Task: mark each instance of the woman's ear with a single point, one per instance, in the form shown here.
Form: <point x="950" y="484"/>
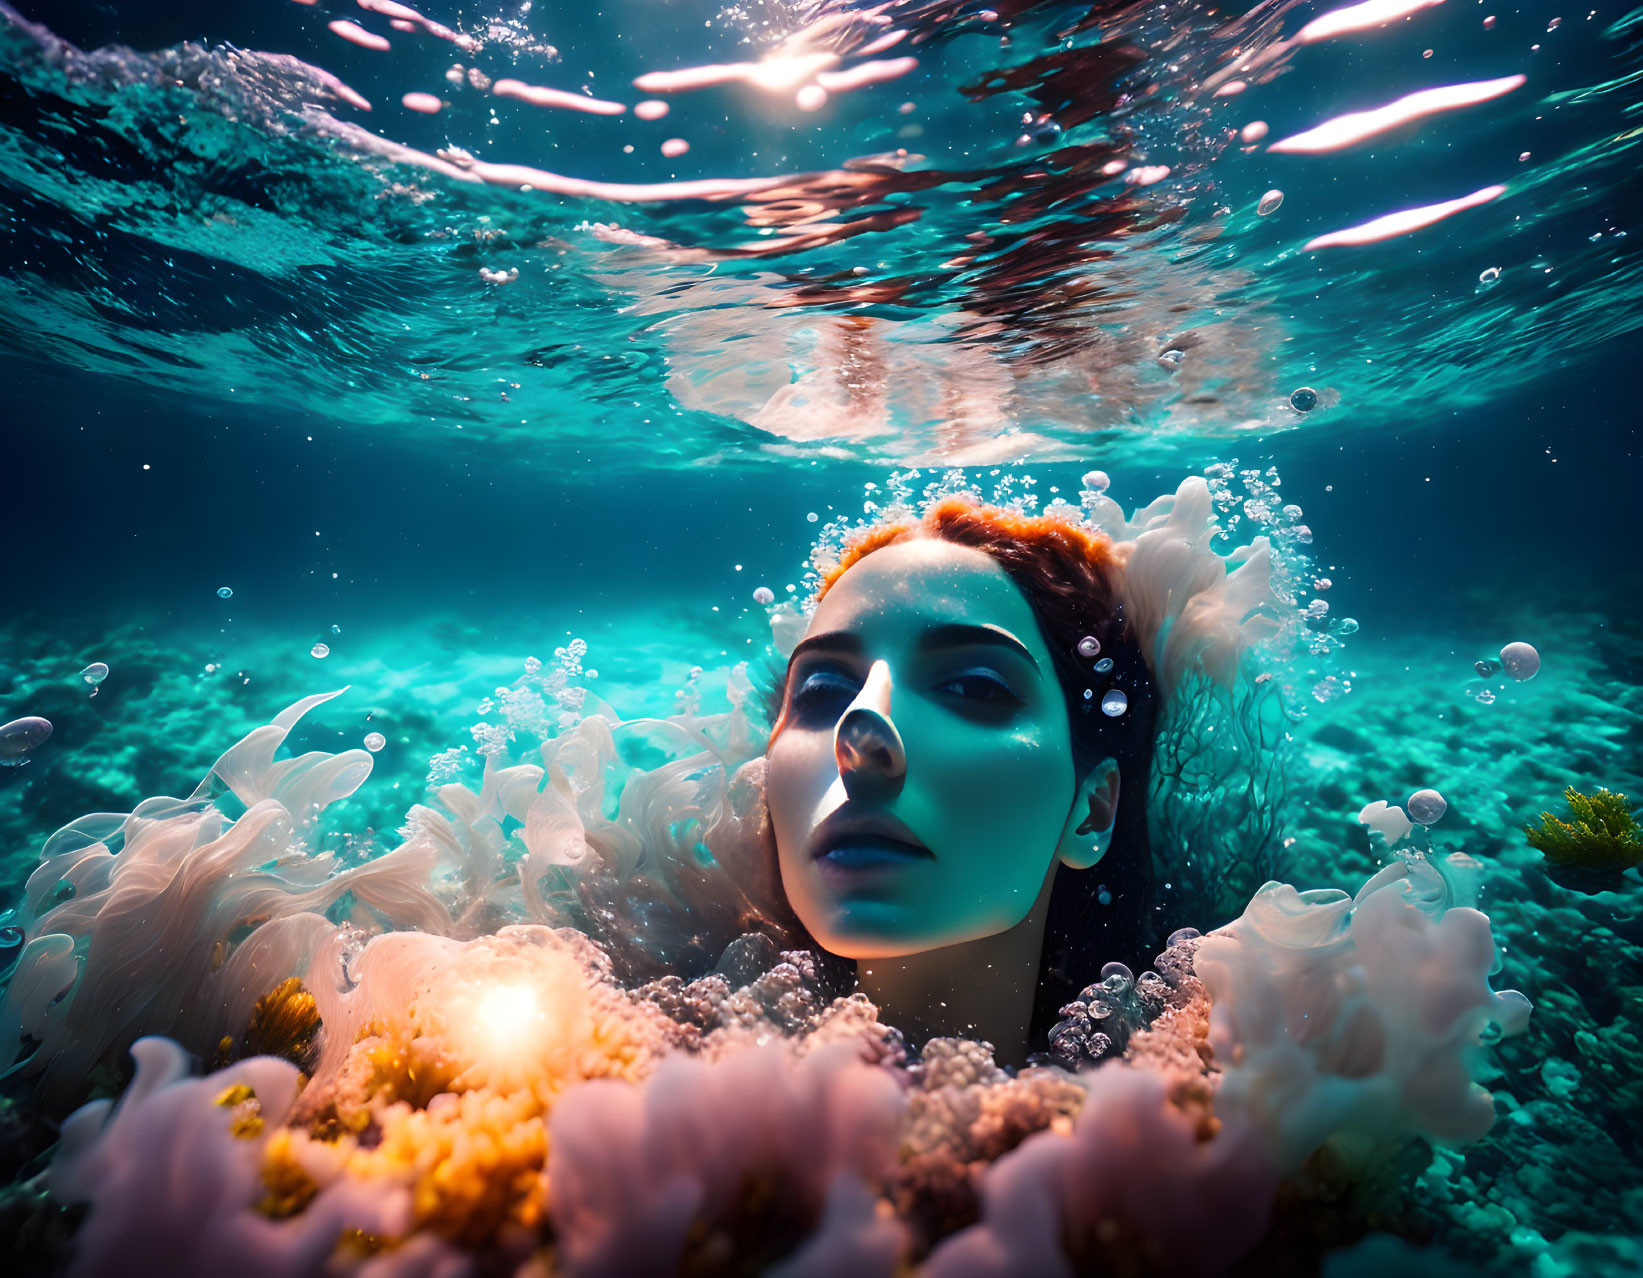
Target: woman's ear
<point x="1089" y="824"/>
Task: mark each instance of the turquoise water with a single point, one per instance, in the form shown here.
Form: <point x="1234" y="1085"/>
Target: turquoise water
<point x="423" y="428"/>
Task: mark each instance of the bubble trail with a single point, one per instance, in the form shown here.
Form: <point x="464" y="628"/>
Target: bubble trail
<point x="523" y="175"/>
<point x="785" y="71"/>
<point x="400" y="13"/>
<point x="864" y="74"/>
<point x="540" y="95"/>
<point x="1403" y="222"/>
<point x="356" y="34"/>
<point x="1359" y="17"/>
<point x="1359" y="126"/>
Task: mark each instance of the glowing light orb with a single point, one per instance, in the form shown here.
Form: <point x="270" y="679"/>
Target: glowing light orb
<point x="508" y="1016"/>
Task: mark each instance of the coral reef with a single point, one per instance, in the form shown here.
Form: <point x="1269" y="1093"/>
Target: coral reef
<point x="1550" y="1189"/>
<point x="518" y="1093"/>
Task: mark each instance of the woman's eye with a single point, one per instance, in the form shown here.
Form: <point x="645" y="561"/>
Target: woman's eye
<point x="823" y="692"/>
<point x="978" y="686"/>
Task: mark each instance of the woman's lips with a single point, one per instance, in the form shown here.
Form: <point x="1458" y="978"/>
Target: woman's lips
<point x="854" y="857"/>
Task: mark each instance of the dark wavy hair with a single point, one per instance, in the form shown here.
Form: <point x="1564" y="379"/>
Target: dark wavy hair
<point x="1070" y="578"/>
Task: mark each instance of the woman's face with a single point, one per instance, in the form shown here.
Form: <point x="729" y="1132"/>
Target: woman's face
<point x="923" y="775"/>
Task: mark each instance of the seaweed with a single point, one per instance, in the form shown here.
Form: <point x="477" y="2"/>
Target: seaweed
<point x="1216" y="802"/>
<point x="1590" y="853"/>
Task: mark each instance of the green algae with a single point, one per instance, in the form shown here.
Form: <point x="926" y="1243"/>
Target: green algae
<point x="1603" y="835"/>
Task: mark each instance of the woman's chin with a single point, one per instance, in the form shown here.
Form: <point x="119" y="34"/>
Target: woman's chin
<point x="860" y="928"/>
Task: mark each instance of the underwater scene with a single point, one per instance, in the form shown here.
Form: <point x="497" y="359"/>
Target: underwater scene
<point x="888" y="638"/>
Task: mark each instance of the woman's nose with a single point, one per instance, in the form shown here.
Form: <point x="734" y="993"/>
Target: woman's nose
<point x="872" y="760"/>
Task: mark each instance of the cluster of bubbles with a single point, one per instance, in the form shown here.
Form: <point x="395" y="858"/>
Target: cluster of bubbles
<point x="1518" y="661"/>
<point x="1099" y="1023"/>
<point x="688" y="699"/>
<point x="1248" y="503"/>
<point x="908" y="492"/>
<point x="543" y="702"/>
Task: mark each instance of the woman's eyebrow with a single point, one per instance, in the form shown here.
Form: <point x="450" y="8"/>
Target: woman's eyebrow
<point x="832" y="641"/>
<point x="955" y="635"/>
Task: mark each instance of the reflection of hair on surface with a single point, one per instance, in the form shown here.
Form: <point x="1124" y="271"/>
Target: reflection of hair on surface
<point x="1013" y="368"/>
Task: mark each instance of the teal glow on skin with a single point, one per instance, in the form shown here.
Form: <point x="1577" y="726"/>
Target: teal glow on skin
<point x="989" y="784"/>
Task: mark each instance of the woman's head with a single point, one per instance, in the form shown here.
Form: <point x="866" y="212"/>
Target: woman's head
<point x="942" y="753"/>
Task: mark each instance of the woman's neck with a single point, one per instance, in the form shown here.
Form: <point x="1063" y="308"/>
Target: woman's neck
<point x="981" y="989"/>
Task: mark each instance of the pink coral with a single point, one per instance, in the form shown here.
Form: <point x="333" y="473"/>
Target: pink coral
<point x="753" y="1156"/>
<point x="1131" y="1186"/>
<point x="1340" y="1018"/>
<point x="174" y="1171"/>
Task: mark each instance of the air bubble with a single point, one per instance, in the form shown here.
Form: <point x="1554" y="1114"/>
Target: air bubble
<point x="374" y="741"/>
<point x="1182" y="934"/>
<point x="1303" y="400"/>
<point x="1487" y="669"/>
<point x="1426" y="807"/>
<point x="19" y="737"/>
<point x="1348" y="626"/>
<point x="1489" y="276"/>
<point x="764" y="595"/>
<point x="225" y="592"/>
<point x="1104" y="665"/>
<point x="1103" y="895"/>
<point x="319" y="650"/>
<point x="1114" y="703"/>
<point x="95" y="673"/>
<point x="1520" y="660"/>
<point x="812" y="517"/>
<point x="1269" y="203"/>
<point x="1089" y="646"/>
